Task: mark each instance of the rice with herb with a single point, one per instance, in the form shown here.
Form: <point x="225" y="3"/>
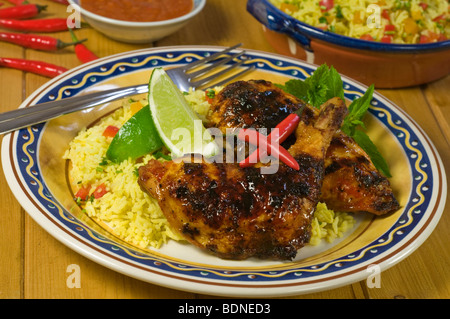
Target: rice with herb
<point x="130" y="212"/>
<point x="389" y="21"/>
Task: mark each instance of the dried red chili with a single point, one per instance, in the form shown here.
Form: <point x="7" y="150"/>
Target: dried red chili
<point x="35" y="25"/>
<point x="25" y="11"/>
<point x="37" y="67"/>
<point x="82" y="52"/>
<point x="36" y="42"/>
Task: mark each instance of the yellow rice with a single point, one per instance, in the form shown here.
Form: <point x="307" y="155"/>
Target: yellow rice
<point x="329" y="225"/>
<point x="356" y="18"/>
<point x="131" y="213"/>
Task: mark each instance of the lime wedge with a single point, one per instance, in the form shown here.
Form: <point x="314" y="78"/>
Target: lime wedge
<point x="180" y="129"/>
<point x="137" y="137"/>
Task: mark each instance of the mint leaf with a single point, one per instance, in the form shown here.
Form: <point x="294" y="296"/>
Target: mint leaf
<point x="364" y="141"/>
<point x="359" y="106"/>
<point x="335" y="85"/>
<point x="356" y="112"/>
<point x="297" y="88"/>
<point x="324" y="84"/>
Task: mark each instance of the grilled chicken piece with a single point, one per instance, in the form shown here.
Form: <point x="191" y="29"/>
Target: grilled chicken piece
<point x="255" y="104"/>
<point x="351" y="181"/>
<point x="237" y="213"/>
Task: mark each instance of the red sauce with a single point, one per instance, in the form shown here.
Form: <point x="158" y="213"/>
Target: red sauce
<point x="139" y="10"/>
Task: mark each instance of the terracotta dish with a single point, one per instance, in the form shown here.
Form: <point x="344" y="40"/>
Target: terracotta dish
<point x="384" y="64"/>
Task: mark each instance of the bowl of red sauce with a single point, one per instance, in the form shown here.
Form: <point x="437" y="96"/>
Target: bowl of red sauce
<point x="138" y="21"/>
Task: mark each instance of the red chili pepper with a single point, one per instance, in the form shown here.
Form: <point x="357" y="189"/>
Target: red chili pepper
<point x="37" y="67"/>
<point x="22" y="11"/>
<point x="385" y="14"/>
<point x="285" y="128"/>
<point x="36" y="42"/>
<point x="35" y="25"/>
<point x="82" y="52"/>
<point x="110" y="131"/>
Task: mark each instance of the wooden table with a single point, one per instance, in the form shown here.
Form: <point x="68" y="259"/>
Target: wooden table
<point x="34" y="265"/>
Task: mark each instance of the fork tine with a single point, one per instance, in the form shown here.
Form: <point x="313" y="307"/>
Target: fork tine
<point x="214" y="65"/>
<point x="210" y="58"/>
<point x="215" y="75"/>
<point x="208" y="79"/>
<point x="234" y="76"/>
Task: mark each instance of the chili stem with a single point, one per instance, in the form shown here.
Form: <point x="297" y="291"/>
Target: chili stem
<point x="36" y="42"/>
<point x="82" y="52"/>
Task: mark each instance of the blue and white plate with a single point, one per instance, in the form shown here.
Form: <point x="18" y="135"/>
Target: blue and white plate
<point x="37" y="175"/>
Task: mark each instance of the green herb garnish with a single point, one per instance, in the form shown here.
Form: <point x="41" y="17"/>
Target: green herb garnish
<point x="339" y="14"/>
<point x="160" y="154"/>
<point x="326" y="83"/>
<point x="210" y="93"/>
<point x="353" y="121"/>
<point x="323" y="20"/>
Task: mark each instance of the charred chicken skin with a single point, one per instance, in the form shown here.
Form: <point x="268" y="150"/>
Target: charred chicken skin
<point x="238" y="213"/>
<point x="351" y="181"/>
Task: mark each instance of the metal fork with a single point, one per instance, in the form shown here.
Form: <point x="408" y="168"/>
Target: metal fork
<point x="193" y="75"/>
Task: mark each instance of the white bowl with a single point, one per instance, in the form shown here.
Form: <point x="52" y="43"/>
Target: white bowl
<point x="136" y="32"/>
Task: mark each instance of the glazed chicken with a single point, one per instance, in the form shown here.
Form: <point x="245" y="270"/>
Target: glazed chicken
<point x="238" y="213"/>
<point x="351" y="181"/>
